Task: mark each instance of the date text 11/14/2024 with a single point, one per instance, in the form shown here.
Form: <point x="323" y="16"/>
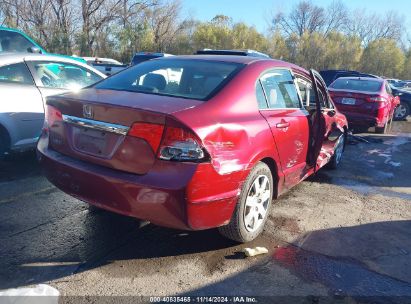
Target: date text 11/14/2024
<point x="203" y="299"/>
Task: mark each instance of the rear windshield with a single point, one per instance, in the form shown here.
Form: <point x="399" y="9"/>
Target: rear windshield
<point x="356" y="85"/>
<point x="193" y="79"/>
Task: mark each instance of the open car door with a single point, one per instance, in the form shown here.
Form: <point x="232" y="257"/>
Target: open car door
<point x="325" y="129"/>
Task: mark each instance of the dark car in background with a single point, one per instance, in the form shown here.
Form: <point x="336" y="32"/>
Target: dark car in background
<point x="366" y="102"/>
<point x="144" y="56"/>
<point x="330" y="75"/>
<point x="404" y="108"/>
<point x="107" y="66"/>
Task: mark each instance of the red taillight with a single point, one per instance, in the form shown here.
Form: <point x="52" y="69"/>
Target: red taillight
<point x="175" y="144"/>
<point x="180" y="145"/>
<point x="376" y="99"/>
<point x="52" y="115"/>
<point x="381" y="101"/>
<point x="150" y="132"/>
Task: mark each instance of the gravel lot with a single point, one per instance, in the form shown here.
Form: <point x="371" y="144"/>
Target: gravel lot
<point x="344" y="234"/>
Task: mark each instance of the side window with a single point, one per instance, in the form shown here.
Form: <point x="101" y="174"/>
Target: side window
<point x="15" y="73"/>
<point x="64" y="76"/>
<point x="280" y="89"/>
<point x="323" y="96"/>
<point x="306" y="91"/>
<point x="13" y="42"/>
<point x="262" y="102"/>
<point x="388" y="88"/>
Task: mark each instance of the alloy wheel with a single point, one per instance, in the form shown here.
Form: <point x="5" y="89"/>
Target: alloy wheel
<point x="257" y="202"/>
<point x="400" y="111"/>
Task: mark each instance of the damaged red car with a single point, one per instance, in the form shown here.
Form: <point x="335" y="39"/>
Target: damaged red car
<point x="193" y="142"/>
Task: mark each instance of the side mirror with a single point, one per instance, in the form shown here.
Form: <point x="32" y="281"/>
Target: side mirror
<point x="34" y="50"/>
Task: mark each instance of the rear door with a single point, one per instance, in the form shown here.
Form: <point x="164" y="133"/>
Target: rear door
<point x="288" y="122"/>
<point x="325" y="128"/>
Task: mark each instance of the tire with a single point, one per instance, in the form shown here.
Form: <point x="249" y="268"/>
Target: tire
<point x="338" y="153"/>
<point x="402" y="111"/>
<point x="382" y="130"/>
<point x="4" y="143"/>
<point x="253" y="206"/>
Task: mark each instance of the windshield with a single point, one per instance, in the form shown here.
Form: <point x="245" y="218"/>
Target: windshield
<point x="64" y="75"/>
<point x="14" y="42"/>
<point x="356" y="85"/>
<point x="194" y="79"/>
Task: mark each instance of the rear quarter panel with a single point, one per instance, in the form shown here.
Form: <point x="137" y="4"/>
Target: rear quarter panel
<point x="234" y="133"/>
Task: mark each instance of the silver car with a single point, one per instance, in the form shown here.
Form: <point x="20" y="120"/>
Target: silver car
<point x="25" y="82"/>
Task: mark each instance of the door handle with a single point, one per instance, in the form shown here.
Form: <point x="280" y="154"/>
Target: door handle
<point x="283" y="124"/>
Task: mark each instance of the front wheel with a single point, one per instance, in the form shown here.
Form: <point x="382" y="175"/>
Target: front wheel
<point x="252" y="209"/>
<point x="338" y="153"/>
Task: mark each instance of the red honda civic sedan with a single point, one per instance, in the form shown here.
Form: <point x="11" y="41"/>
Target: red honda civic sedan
<point x="193" y="142"/>
<point x="367" y="102"/>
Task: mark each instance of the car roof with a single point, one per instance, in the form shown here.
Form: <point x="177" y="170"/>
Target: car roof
<point x="225" y="58"/>
<point x="237" y="52"/>
<point x="153" y="54"/>
<point x="239" y="59"/>
<point x="101" y="58"/>
<point x="9" y="58"/>
<point x="9" y="29"/>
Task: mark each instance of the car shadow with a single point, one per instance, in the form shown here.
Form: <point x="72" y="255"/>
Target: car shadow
<point x="89" y="239"/>
<point x="19" y="165"/>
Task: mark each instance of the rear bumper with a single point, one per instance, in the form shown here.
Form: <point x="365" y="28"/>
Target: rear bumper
<point x="177" y="195"/>
<point x="358" y="119"/>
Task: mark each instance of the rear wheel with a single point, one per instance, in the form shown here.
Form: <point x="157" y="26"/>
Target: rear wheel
<point x="402" y="111"/>
<point x="382" y="130"/>
<point x="253" y="206"/>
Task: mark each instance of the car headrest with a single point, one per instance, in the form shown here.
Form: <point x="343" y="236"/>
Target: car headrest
<point x="155" y="80"/>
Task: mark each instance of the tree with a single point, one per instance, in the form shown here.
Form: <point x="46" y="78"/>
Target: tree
<point x="370" y="26"/>
<point x="164" y="22"/>
<point x="95" y="15"/>
<point x="406" y="72"/>
<point x="246" y="37"/>
<point x="277" y="46"/>
<point x="306" y="17"/>
<point x="214" y="35"/>
<point x="383" y="57"/>
<point x="342" y="51"/>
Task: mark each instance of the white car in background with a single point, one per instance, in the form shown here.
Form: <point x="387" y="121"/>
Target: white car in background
<point x="25" y="82"/>
<point x="107" y="66"/>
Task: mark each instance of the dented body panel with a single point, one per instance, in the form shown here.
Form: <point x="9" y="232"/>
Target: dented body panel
<point x="233" y="131"/>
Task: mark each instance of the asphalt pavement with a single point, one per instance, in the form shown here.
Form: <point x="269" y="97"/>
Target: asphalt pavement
<point x="341" y="234"/>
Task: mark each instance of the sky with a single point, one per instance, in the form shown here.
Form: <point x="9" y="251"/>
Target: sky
<point x="259" y="12"/>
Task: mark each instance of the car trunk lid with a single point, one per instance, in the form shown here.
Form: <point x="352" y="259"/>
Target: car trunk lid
<point x="354" y="101"/>
<point x="95" y="126"/>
